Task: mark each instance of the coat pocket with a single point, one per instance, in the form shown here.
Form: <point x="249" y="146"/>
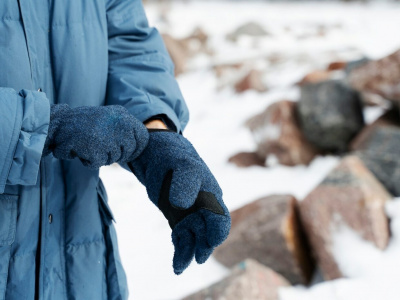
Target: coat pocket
<point x="117" y="287"/>
<point x="8" y="224"/>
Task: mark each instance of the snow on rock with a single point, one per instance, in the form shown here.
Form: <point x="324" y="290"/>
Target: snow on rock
<point x="372" y="274"/>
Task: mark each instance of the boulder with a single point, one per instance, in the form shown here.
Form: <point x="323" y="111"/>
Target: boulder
<point x="354" y="64"/>
<point x="249" y="29"/>
<point x="181" y="50"/>
<point x="249" y="280"/>
<point x="268" y="230"/>
<point x="330" y="114"/>
<point x="247" y="159"/>
<point x="337" y="65"/>
<point x="178" y="51"/>
<point x="316" y="76"/>
<point x="378" y="145"/>
<point x="252" y="81"/>
<point x="381" y="77"/>
<point x="350" y="194"/>
<point x="276" y="132"/>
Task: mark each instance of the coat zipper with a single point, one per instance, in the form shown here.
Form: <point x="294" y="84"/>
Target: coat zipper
<point x="39" y="243"/>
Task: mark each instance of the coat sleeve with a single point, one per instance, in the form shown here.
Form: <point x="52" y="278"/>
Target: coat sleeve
<point x="24" y="120"/>
<point x="141" y="73"/>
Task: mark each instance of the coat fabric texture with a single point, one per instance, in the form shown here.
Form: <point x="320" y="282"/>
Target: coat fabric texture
<point x="57" y="239"/>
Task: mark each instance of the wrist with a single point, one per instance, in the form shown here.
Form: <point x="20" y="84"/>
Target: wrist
<point x="155" y="124"/>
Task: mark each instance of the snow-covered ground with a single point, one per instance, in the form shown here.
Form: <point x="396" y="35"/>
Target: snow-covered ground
<point x="216" y="130"/>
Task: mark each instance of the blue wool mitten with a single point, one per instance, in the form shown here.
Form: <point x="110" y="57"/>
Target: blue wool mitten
<point x="180" y="184"/>
<point x="97" y="135"/>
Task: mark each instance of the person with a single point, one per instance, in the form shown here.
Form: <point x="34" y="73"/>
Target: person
<point x="85" y="84"/>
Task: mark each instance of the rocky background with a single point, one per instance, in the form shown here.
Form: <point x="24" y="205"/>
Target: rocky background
<point x="296" y="108"/>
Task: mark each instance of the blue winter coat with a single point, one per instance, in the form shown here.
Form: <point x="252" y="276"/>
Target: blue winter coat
<point x="57" y="240"/>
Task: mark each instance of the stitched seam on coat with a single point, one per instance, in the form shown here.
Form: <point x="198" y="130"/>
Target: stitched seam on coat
<point x="67" y="24"/>
<point x="14" y="137"/>
<point x="76" y="245"/>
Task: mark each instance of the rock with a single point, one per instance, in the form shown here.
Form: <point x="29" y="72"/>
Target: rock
<point x="381" y="77"/>
<point x="268" y="230"/>
<point x="250" y="29"/>
<point x="378" y="145"/>
<point x="252" y="81"/>
<point x="247" y="159"/>
<point x="330" y="114"/>
<point x="370" y="99"/>
<point x="354" y="64"/>
<point x="350" y="194"/>
<point x="181" y="50"/>
<point x="249" y="280"/>
<point x="196" y="42"/>
<point x="276" y="132"/>
<point x="316" y="76"/>
<point x="178" y="51"/>
<point x="336" y="65"/>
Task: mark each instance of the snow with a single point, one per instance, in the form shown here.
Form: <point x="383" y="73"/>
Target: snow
<point x="302" y="37"/>
<point x="370" y="273"/>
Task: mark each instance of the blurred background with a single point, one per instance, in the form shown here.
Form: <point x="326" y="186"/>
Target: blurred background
<point x="295" y="108"/>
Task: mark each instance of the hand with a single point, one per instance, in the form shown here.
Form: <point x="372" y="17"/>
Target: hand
<point x="97" y="135"/>
<point x="180" y="184"/>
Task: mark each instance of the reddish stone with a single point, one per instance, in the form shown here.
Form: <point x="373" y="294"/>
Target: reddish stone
<point x="381" y="77"/>
<point x="337" y="65"/>
<point x="316" y="76"/>
<point x="352" y="195"/>
<point x="268" y="230"/>
<point x="178" y="51"/>
<point x="276" y="132"/>
<point x="247" y="159"/>
<point x="249" y="280"/>
<point x="252" y="81"/>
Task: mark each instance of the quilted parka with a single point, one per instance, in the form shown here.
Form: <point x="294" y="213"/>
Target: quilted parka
<point x="57" y="239"/>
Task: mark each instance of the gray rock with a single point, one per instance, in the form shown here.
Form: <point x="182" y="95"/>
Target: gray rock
<point x="330" y="114"/>
<point x="250" y="29"/>
<point x="378" y="145"/>
<point x="351" y="65"/>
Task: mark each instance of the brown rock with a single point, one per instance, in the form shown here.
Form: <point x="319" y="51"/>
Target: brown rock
<point x="371" y="99"/>
<point x="252" y="81"/>
<point x="178" y="51"/>
<point x="349" y="194"/>
<point x="337" y="65"/>
<point x="381" y="77"/>
<point x="268" y="230"/>
<point x="247" y="159"/>
<point x="316" y="76"/>
<point x="276" y="132"/>
<point x="181" y="50"/>
<point x="249" y="280"/>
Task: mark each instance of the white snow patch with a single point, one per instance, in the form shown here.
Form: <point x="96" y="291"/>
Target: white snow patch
<point x="303" y="37"/>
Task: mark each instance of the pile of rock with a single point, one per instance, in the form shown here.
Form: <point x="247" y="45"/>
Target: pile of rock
<point x="290" y="238"/>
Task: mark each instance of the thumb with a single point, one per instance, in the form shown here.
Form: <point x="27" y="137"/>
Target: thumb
<point x="185" y="186"/>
